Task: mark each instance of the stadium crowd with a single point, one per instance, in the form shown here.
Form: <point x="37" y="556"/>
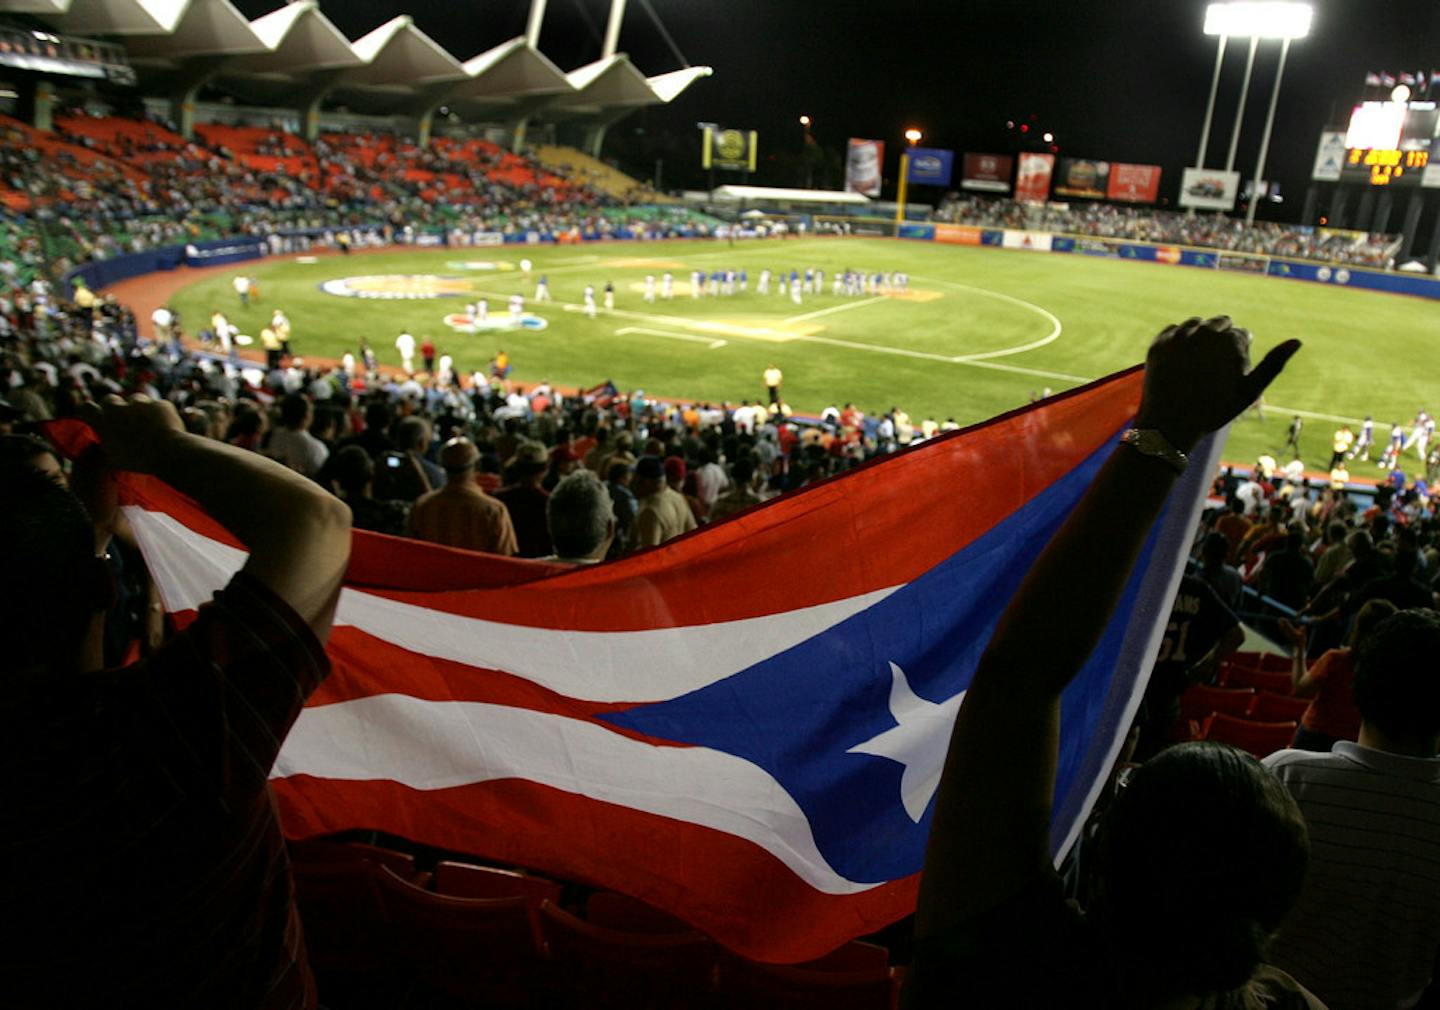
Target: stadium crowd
<point x="1144" y="224"/>
<point x="484" y="463"/>
<point x="100" y="190"/>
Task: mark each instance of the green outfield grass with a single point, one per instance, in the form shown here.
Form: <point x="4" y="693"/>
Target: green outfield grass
<point x="977" y="339"/>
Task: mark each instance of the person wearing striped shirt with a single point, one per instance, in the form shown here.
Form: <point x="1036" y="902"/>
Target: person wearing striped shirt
<point x="1366" y="930"/>
<point x="144" y="861"/>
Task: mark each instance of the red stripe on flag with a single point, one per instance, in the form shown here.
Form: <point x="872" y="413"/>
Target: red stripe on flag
<point x="726" y="886"/>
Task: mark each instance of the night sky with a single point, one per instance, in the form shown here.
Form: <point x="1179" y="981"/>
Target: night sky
<point x="1122" y="80"/>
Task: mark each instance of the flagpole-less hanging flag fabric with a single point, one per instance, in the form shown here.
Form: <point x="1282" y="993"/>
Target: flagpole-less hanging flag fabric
<point x="744" y="727"/>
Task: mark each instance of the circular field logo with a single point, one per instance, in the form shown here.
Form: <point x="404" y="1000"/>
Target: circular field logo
<point x="500" y="322"/>
<point x="395" y="287"/>
<point x="479" y="265"/>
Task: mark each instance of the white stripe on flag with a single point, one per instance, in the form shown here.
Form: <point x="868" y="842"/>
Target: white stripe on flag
<point x="600" y="666"/>
<point x="444" y="744"/>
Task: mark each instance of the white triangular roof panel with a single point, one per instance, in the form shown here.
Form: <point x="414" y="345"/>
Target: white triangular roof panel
<point x="510" y="70"/>
<point x="397" y="54"/>
<point x="118" y="17"/>
<point x="207" y="27"/>
<point x="302" y="40"/>
<point x="667" y="87"/>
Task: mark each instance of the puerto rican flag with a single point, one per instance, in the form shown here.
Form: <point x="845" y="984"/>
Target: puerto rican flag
<point x="744" y="727"/>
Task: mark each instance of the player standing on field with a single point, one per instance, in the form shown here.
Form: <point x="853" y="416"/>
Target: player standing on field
<point x="542" y="289"/>
<point x="609" y="296"/>
<point x="667" y="286"/>
<point x="590" y="300"/>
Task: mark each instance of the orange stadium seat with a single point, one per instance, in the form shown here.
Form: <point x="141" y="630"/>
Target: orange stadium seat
<point x="1200" y="700"/>
<point x="1260" y="680"/>
<point x="1270" y="707"/>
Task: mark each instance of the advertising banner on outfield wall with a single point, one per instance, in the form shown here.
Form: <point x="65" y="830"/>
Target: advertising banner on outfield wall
<point x="931" y="166"/>
<point x="1209" y="189"/>
<point x="1032" y="181"/>
<point x="863" y="162"/>
<point x="1329" y="157"/>
<point x="1083" y="178"/>
<point x="987" y="173"/>
<point x="1036" y="240"/>
<point x="958" y="234"/>
<point x="1134" y="183"/>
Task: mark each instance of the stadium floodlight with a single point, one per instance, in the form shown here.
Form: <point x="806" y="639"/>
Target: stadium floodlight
<point x="914" y="136"/>
<point x="804" y="120"/>
<point x="1262" y="20"/>
<point x="1049" y="138"/>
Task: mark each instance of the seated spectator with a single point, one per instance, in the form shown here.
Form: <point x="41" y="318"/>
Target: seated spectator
<point x="459" y="514"/>
<point x="663" y="512"/>
<point x="1335" y="557"/>
<point x="1366" y="930"/>
<point x="1198" y="858"/>
<point x="525" y="500"/>
<point x="292" y="444"/>
<point x="1287" y="574"/>
<point x="167" y="832"/>
<point x="1401" y="587"/>
<point x="1332" y="715"/>
<point x="581" y="520"/>
<point x="354" y="472"/>
<point x="247" y="428"/>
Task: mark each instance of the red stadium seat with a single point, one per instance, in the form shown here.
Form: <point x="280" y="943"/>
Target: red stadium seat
<point x="1259" y="680"/>
<point x="1270" y="707"/>
<point x="1200" y="700"/>
<point x="1259" y="738"/>
<point x="609" y="968"/>
<point x="855" y="977"/>
<point x="485" y="950"/>
<point x="622" y="912"/>
<point x="344" y="919"/>
<point x="322" y="850"/>
<point x="464" y="880"/>
<point x="1273" y="662"/>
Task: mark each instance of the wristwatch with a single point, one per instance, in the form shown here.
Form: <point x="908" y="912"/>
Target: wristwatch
<point x="1149" y="442"/>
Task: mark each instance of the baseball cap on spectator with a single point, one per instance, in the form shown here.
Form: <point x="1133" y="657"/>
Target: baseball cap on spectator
<point x="529" y="457"/>
<point x="674" y="468"/>
<point x="649" y="468"/>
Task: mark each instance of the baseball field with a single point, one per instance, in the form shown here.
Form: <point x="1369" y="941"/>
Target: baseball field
<point x="978" y="332"/>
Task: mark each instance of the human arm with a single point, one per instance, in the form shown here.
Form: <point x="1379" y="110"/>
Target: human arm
<point x="298" y="536"/>
<point x="990" y="830"/>
<point x="1208" y="665"/>
<point x="1298" y="637"/>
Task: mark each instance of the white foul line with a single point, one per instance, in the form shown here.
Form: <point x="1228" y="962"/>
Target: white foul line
<point x="834" y="308"/>
<point x="712" y="344"/>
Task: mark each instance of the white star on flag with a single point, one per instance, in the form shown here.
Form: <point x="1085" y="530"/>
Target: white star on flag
<point x="918" y="741"/>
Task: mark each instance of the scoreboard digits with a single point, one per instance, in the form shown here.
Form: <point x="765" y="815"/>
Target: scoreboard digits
<point x="1385" y="167"/>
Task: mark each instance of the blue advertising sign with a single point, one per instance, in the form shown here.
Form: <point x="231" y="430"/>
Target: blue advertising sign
<point x="931" y="166"/>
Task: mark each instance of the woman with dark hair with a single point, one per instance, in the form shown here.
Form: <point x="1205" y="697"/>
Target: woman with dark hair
<point x="1200" y="855"/>
<point x="1332" y="715"/>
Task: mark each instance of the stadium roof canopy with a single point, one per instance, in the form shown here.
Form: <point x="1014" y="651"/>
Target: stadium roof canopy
<point x="768" y="194"/>
<point x="295" y="54"/>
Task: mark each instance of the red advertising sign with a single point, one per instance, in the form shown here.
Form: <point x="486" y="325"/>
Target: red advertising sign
<point x="989" y="173"/>
<point x="1032" y="181"/>
<point x="1134" y="183"/>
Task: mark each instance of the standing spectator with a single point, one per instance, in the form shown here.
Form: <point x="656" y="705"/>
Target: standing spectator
<point x="162" y="766"/>
<point x="663" y="513"/>
<point x="1366" y="930"/>
<point x="525" y="499"/>
<point x="291" y="443"/>
<point x="623" y="503"/>
<point x="710" y="479"/>
<point x="459" y="514"/>
<point x="1332" y="715"/>
<point x="355" y="474"/>
<point x="1233" y="525"/>
<point x="1335" y="557"/>
<point x="580" y="519"/>
<point x="741" y="495"/>
<point x="1221" y="577"/>
<point x="1288" y="575"/>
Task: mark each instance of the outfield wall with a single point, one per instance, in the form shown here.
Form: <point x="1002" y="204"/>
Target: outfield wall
<point x="1419" y="285"/>
<point x="103" y="273"/>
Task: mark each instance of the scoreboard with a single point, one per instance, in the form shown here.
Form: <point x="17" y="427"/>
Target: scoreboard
<point x="1391" y="144"/>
